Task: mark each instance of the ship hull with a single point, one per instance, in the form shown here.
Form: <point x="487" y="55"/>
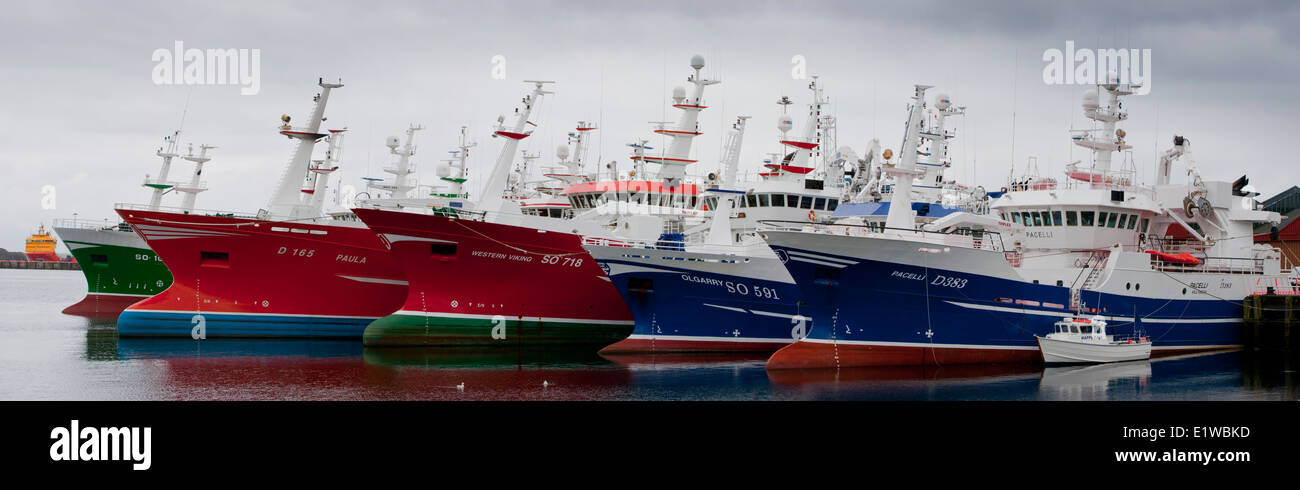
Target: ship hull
<point x="886" y="302"/>
<point x="119" y="267"/>
<point x="685" y="301"/>
<point x="474" y="283"/>
<point x="244" y="277"/>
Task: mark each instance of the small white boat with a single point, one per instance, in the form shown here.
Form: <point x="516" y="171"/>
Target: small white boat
<point x="1085" y="340"/>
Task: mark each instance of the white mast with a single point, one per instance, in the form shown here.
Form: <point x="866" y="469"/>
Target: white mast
<point x="323" y="170"/>
<point x="731" y="152"/>
<point x="938" y="138"/>
<point x="804" y="146"/>
<point x="1107" y="140"/>
<point x="454" y="172"/>
<point x="160" y="185"/>
<point x="674" y="161"/>
<point x="900" y="204"/>
<point x="492" y="200"/>
<point x="287" y="199"/>
<point x="579" y="138"/>
<point x="401" y="186"/>
<point x="195" y="186"/>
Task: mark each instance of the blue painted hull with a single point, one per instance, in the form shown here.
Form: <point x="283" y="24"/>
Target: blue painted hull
<point x="868" y="313"/>
<point x="694" y="311"/>
<point x="147" y="323"/>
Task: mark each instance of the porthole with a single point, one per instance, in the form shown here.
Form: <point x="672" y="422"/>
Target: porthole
<point x="1184" y="290"/>
<point x="1128" y="285"/>
<point x="1137" y="287"/>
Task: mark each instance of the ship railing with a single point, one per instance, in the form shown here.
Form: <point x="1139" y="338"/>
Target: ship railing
<point x="960" y="237"/>
<point x="1277" y="284"/>
<point x="197" y="212"/>
<point x="1176" y="245"/>
<point x="85" y="224"/>
<point x="1216" y="265"/>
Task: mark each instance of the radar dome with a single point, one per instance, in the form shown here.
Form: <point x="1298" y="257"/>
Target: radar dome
<point x="1090" y="99"/>
<point x="697" y="62"/>
<point x="444" y="171"/>
<point x="942" y="102"/>
<point x="562" y="152"/>
<point x="679" y="93"/>
<point x="784" y="123"/>
<point x="393" y="142"/>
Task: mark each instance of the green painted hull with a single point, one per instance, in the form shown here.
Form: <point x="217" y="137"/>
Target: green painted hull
<point x="119" y="267"/>
<point x="401" y="329"/>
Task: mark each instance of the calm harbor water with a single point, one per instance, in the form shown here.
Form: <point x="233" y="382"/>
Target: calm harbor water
<point x="46" y="355"/>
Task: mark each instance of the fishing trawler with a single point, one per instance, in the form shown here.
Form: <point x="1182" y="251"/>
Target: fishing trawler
<point x="119" y="267"/>
<point x="970" y="289"/>
<point x="722" y="289"/>
<point x="728" y="291"/>
<point x="523" y="276"/>
<point x="287" y="271"/>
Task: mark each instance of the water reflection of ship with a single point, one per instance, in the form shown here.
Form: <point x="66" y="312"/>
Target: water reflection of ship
<point x="460" y="357"/>
<point x="449" y="373"/>
<point x="685" y="360"/>
<point x="883" y="375"/>
<point x="1092" y="382"/>
<point x="177" y="349"/>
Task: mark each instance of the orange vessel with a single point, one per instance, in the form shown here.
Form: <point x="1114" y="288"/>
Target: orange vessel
<point x="40" y="247"/>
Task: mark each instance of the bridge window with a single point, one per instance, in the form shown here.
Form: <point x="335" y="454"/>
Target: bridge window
<point x="764" y="200"/>
<point x="1144" y="225"/>
<point x="1085" y="217"/>
<point x="1071" y="218"/>
<point x="1110" y="220"/>
<point x="752" y="200"/>
<point x="778" y="200"/>
<point x="1015" y="218"/>
<point x="1132" y="221"/>
<point x="1038" y="219"/>
<point x="832" y="204"/>
<point x="805" y="202"/>
<point x="1056" y="218"/>
<point x="819" y="203"/>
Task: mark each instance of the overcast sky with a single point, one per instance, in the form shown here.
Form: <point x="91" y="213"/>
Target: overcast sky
<point x="79" y="110"/>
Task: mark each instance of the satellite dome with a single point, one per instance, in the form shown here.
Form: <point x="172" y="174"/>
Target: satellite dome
<point x="697" y="62"/>
<point x="679" y="93"/>
<point x="393" y="142"/>
<point x="444" y="171"/>
<point x="784" y="123"/>
<point x="1090" y="99"/>
<point x="942" y="101"/>
<point x="562" y="152"/>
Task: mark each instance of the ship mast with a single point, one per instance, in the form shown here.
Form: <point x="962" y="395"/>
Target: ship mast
<point x="160" y="185"/>
<point x="932" y="178"/>
<point x="673" y="162"/>
<point x="324" y="169"/>
<point x="492" y="199"/>
<point x="195" y="186"/>
<point x="731" y="152"/>
<point x="1107" y="140"/>
<point x="401" y="186"/>
<point x="287" y="200"/>
<point x="900" y="203"/>
<point x="454" y="172"/>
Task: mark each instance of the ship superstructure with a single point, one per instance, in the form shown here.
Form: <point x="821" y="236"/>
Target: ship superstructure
<point x="968" y="288"/>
